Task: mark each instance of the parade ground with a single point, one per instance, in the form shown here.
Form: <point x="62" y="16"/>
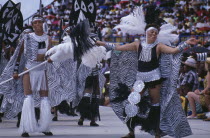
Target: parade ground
<point x="110" y="127"/>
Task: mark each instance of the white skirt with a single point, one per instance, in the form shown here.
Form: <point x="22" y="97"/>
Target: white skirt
<point x="38" y="79"/>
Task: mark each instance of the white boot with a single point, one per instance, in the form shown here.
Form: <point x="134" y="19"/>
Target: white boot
<point x="45" y="115"/>
<point x="28" y="121"/>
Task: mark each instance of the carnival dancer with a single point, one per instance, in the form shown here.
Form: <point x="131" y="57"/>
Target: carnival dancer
<point x="149" y="52"/>
<point x="35" y="45"/>
<point x="81" y="48"/>
<point x="89" y="104"/>
<point x="53" y="77"/>
<point x="57" y="78"/>
<point x="125" y="76"/>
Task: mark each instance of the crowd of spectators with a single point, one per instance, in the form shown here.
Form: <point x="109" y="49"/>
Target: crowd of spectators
<point x="191" y="17"/>
<point x="193" y="87"/>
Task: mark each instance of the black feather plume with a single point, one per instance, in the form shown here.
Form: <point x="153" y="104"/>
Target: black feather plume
<point x="152" y="15"/>
<point x="122" y="93"/>
<point x="81" y="40"/>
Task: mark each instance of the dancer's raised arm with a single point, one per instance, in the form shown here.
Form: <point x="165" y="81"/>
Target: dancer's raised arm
<point x="127" y="47"/>
<point x="170" y="50"/>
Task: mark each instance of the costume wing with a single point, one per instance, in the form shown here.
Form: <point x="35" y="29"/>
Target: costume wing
<point x="13" y="90"/>
<point x="3" y="63"/>
<point x="61" y="81"/>
<point x="123" y="70"/>
<point x="170" y="101"/>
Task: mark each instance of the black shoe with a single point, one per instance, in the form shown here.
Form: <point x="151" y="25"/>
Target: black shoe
<point x="0" y="120"/>
<point x="1" y="114"/>
<point x="25" y="135"/>
<point x="94" y="124"/>
<point x="71" y="114"/>
<point x="48" y="133"/>
<point x="129" y="135"/>
<point x="55" y="118"/>
<point x="80" y="122"/>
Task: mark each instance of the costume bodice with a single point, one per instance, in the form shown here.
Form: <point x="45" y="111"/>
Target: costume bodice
<point x="34" y="45"/>
<point x="152" y="62"/>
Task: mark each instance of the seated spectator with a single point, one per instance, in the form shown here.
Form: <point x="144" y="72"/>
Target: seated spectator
<point x="198" y="96"/>
<point x="207" y="93"/>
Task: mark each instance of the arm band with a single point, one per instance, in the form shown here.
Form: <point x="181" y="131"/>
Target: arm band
<point x="201" y="56"/>
<point x="183" y="46"/>
<point x="16" y="67"/>
<point x="110" y="46"/>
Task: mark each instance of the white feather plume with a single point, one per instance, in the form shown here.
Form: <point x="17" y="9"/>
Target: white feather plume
<point x="165" y="35"/>
<point x="108" y="55"/>
<point x="93" y="56"/>
<point x="134" y="23"/>
<point x="208" y="115"/>
<point x="62" y="51"/>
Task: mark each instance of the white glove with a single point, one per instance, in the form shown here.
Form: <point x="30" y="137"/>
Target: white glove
<point x="61" y="52"/>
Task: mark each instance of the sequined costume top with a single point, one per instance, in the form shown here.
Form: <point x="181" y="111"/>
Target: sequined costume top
<point x="152" y="64"/>
<point x="148" y="63"/>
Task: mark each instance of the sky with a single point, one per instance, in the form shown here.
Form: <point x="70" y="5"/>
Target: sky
<point x="28" y="7"/>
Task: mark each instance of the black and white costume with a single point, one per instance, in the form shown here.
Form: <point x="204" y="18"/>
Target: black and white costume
<point x="134" y="70"/>
<point x="88" y="76"/>
<point x="79" y="46"/>
<point x="92" y="90"/>
<point x="55" y="78"/>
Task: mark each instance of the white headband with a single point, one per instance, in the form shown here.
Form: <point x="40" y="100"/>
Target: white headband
<point x="38" y="18"/>
<point x="152" y="28"/>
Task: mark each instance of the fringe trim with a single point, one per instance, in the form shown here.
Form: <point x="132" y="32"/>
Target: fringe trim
<point x="45" y="115"/>
<point x="89" y="108"/>
<point x="28" y="121"/>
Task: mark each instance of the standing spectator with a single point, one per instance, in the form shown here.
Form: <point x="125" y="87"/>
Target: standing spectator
<point x="106" y="32"/>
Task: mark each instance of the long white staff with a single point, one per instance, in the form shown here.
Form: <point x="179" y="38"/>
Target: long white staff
<point x="25" y="72"/>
